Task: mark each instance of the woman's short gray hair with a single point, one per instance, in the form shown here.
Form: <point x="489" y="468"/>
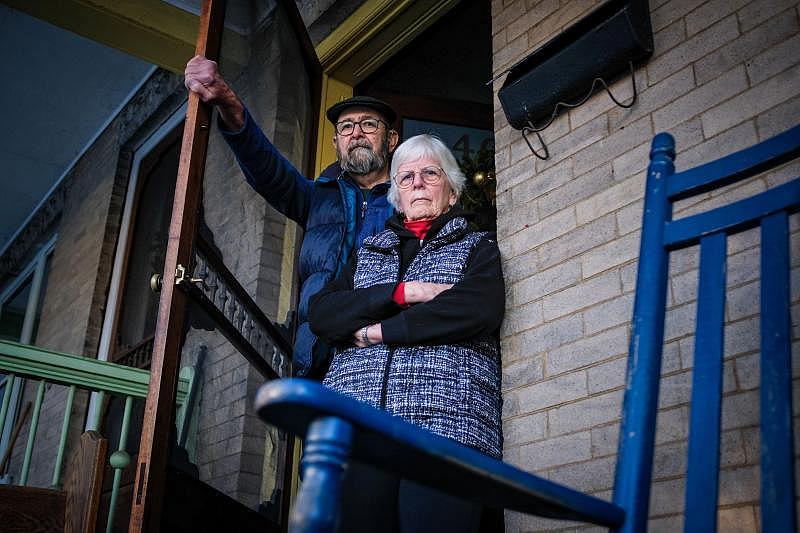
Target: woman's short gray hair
<point x="430" y="147"/>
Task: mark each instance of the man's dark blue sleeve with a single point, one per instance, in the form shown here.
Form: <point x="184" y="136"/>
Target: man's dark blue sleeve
<point x="268" y="172"/>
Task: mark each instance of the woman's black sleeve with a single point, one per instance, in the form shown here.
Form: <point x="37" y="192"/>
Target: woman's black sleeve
<point x="472" y="308"/>
<point x="338" y="309"/>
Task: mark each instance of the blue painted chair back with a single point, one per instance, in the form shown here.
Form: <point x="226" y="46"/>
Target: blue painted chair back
<point x="661" y="234"/>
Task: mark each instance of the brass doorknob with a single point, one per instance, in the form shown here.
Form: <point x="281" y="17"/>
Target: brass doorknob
<point x="155" y="283"/>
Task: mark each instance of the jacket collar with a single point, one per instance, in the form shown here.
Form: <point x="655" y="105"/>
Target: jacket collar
<point x="448" y="227"/>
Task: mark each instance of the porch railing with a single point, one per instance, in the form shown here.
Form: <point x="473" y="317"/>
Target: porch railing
<point x="20" y="361"/>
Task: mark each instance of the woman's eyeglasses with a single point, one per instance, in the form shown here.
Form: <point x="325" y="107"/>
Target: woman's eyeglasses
<point x="430" y="175"/>
<point x="368" y="125"/>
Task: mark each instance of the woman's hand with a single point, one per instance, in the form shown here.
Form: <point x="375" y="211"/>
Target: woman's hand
<point x="417" y="292"/>
<point x="368" y="335"/>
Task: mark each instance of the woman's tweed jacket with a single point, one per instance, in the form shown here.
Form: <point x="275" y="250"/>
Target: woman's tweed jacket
<point x="452" y="390"/>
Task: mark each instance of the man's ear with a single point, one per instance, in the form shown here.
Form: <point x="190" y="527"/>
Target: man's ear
<point x="394" y="138"/>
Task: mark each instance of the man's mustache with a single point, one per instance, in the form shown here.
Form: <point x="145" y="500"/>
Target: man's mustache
<point x="361" y="143"/>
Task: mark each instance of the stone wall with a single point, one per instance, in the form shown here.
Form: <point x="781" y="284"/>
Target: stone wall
<point x="724" y="75"/>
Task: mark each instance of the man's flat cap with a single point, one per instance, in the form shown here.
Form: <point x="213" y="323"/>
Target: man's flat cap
<point x="361" y="101"/>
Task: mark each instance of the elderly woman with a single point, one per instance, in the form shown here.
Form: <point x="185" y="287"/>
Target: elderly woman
<point x="416" y="313"/>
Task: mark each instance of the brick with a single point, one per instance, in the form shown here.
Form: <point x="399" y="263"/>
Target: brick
<point x="783" y="174"/>
<point x="587" y="351"/>
<point x="672" y="11"/>
<point x="541" y="232"/>
<point x="737" y="520"/>
<point x="666" y="497"/>
<point x="611" y="254"/>
<point x="675" y="390"/>
<point x="547" y="281"/>
<point x="522" y="318"/>
<point x="515" y="174"/>
<point x="585" y="414"/>
<point x="524" y="429"/>
<point x="605" y="440"/>
<point x="629" y="218"/>
<point x="582" y="295"/>
<point x="502" y="17"/>
<point x="579" y="138"/>
<point x="516" y="268"/>
<point x="555" y="452"/>
<point x="761" y="97"/>
<point x="513" y="51"/>
<point x="587" y="477"/>
<point x="611" y="199"/>
<point x="547" y="180"/>
<point x="727" y="142"/>
<point x="673" y="424"/>
<point x="534" y="15"/>
<point x="740" y="410"/>
<point x="732" y="449"/>
<point x="515" y="219"/>
<point x="576" y="189"/>
<point x="608" y="375"/>
<point x="552" y="24"/>
<point x="747" y="369"/>
<point x="749" y="46"/>
<point x="577" y="241"/>
<point x="739" y="485"/>
<point x="743" y="267"/>
<point x="599" y="102"/>
<point x="684" y="287"/>
<point x="550" y="392"/>
<point x="703" y="97"/>
<point x="620" y="141"/>
<point x="741" y="337"/>
<point x="669" y="460"/>
<point x="710" y="12"/>
<point x="671" y="358"/>
<point x="779" y="119"/>
<point x="679" y="321"/>
<point x="608" y="314"/>
<point x="669" y="36"/>
<point x="522" y="373"/>
<point x="668" y="524"/>
<point x="752" y="445"/>
<point x="743" y="301"/>
<point x="632" y="162"/>
<point x="756" y="12"/>
<point x="693" y="49"/>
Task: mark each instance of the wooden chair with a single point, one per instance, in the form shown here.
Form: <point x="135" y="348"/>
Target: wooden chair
<point x="338" y="429"/>
<point x="72" y="509"/>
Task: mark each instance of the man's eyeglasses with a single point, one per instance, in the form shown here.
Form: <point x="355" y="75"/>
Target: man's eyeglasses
<point x="430" y="175"/>
<point x="368" y="125"/>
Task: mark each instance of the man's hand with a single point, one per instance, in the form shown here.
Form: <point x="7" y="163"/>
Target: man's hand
<point x="417" y="292"/>
<point x="202" y="77"/>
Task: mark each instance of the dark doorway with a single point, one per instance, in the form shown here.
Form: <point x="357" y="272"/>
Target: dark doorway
<point x="438" y="84"/>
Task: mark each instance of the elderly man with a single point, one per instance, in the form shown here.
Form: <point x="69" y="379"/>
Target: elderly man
<point x="338" y="210"/>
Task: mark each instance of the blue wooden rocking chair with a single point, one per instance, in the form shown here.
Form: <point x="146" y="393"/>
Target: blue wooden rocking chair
<point x="338" y="429"/>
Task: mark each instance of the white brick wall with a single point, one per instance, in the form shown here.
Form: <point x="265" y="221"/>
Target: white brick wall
<point x="724" y="75"/>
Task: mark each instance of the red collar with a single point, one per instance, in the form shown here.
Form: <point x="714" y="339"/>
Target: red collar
<point x="419" y="227"/>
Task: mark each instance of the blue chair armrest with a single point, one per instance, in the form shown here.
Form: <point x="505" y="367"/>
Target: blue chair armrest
<point x="396" y="446"/>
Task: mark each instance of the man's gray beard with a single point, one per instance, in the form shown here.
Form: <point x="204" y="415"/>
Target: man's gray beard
<point x="364" y="160"/>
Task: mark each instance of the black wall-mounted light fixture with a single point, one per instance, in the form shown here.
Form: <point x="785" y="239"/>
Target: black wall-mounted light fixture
<point x="565" y="71"/>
